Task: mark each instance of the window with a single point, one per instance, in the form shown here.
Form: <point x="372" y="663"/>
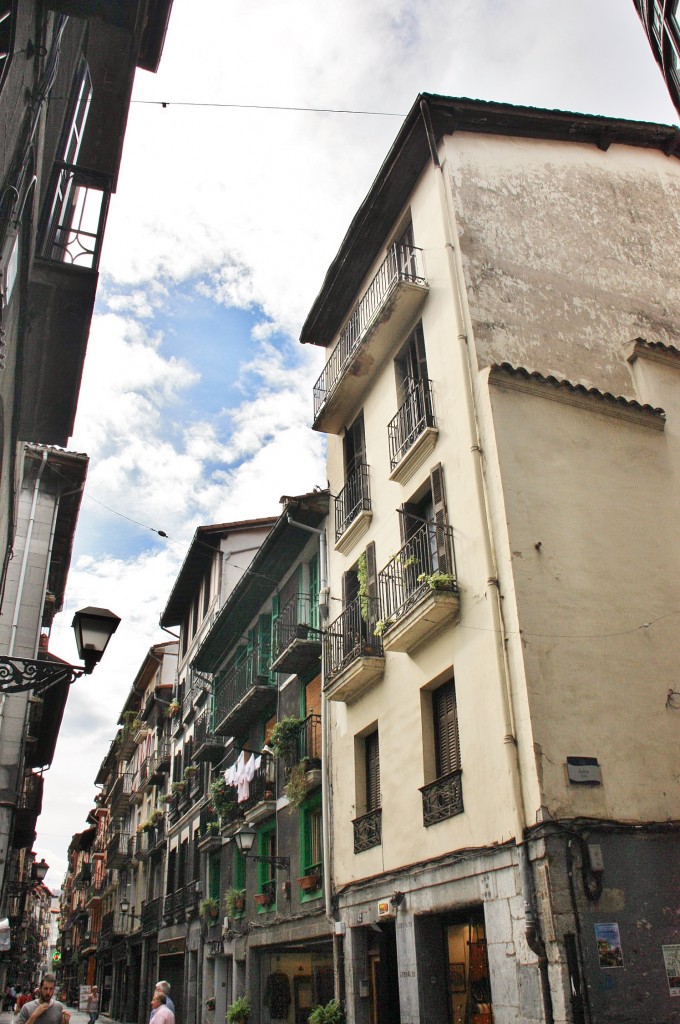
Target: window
<point x="311" y="846"/>
<point x="372" y="754"/>
<point x="266" y="872"/>
<point x="411" y="364"/>
<point x="313" y="591"/>
<point x="414" y="398"/>
<point x="406" y="253"/>
<point x="657" y="20"/>
<point x="354" y="496"/>
<point x="368" y="826"/>
<point x="6" y="36"/>
<point x="214" y="876"/>
<point x="447" y="748"/>
<point x="443" y="797"/>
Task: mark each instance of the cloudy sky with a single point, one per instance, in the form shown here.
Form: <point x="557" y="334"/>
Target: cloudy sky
<point x="196" y="398"/>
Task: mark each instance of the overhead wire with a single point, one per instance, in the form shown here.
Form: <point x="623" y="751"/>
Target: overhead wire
<point x="268" y="106"/>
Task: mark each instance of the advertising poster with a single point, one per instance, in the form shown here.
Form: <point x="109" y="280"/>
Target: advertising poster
<point x="671" y="959"/>
<point x="609" y="945"/>
<point x="83" y="996"/>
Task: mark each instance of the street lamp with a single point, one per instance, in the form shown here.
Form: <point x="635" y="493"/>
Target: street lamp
<point x="125" y="909"/>
<point x="93" y="627"/>
<point x="38" y="873"/>
<point x="244" y="840"/>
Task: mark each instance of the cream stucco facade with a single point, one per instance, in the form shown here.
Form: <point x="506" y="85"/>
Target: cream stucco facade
<point x="511" y="265"/>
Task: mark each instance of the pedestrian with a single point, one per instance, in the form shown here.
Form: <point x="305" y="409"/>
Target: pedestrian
<point x="164" y="988"/>
<point x="92" y="1006"/>
<point x="45" y="1008"/>
<point x="160" y="1012"/>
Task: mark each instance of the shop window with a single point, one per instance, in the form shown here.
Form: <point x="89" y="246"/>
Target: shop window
<point x="468" y="969"/>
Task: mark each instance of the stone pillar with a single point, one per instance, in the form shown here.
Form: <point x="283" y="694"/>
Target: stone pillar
<point x="407" y="966"/>
<point x="356" y="976"/>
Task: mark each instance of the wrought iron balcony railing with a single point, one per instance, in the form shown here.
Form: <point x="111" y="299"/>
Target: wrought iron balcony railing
<point x="400" y="264"/>
<point x="263" y="784"/>
<point x="231" y="688"/>
<point x="298" y="620"/>
<point x="309" y="741"/>
<point x="355" y="497"/>
<point x="414" y="416"/>
<point x="368" y="830"/>
<point x="426" y="561"/>
<point x="442" y="798"/>
<point x="352" y="635"/>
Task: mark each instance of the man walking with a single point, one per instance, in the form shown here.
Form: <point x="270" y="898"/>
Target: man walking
<point x="164" y="988"/>
<point x="45" y="1008"/>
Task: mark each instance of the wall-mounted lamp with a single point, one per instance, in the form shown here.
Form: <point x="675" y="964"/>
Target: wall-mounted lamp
<point x="244" y="840"/>
<point x="125" y="909"/>
<point x="93" y="628"/>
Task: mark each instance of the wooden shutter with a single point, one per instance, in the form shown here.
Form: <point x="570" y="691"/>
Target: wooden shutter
<point x="440" y="518"/>
<point x="264" y="632"/>
<point x="371" y="616"/>
<point x="372" y="772"/>
<point x="447" y="747"/>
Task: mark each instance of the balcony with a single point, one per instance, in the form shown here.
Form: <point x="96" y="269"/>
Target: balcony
<point x="353" y="655"/>
<point x="367" y="830"/>
<point x="207" y="746"/>
<point x="377" y="323"/>
<point x="419" y="589"/>
<point x="353" y="509"/>
<point x="119" y="794"/>
<point x="117" y="850"/>
<point x="243" y="693"/>
<point x="297" y="638"/>
<point x="442" y="798"/>
<point x="113" y="927"/>
<point x="28" y="810"/>
<point x="151" y="916"/>
<point x="160" y="763"/>
<point x="261" y="801"/>
<point x="412" y="433"/>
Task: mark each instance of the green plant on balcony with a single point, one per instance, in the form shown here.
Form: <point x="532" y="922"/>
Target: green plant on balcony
<point x="239" y="1011"/>
<point x="210" y="1003"/>
<point x="296" y="787"/>
<point x="383" y="624"/>
<point x="178" y="787"/>
<point x="167" y="798"/>
<point x="284" y="738"/>
<point x="362" y="578"/>
<point x="331" y="1013"/>
<point x="235" y="901"/>
<point x="190" y="771"/>
<point x="172" y="708"/>
<point x="156" y="816"/>
<point x="223" y="800"/>
<point x="438" y="580"/>
<point x="209" y="909"/>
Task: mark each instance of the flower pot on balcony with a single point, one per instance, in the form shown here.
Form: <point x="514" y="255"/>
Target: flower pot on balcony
<point x="310" y="883"/>
<point x="263" y="899"/>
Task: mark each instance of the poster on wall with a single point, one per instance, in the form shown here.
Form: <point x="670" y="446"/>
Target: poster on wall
<point x="671" y="959"/>
<point x="83" y="996"/>
<point x="609" y="949"/>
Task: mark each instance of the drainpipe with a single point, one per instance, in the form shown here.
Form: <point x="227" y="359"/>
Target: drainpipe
<point x="324" y="601"/>
<point x="472" y="400"/>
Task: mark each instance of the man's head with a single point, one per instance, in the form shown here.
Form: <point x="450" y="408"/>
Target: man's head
<point x="158" y="999"/>
<point x="164" y="987"/>
<point x="47" y="987"/>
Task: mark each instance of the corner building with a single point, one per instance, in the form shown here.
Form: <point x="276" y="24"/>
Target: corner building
<point x="501" y="402"/>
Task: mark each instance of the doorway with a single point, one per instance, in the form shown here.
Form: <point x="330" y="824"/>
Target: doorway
<point x="470" y="1000"/>
<point x="383" y="975"/>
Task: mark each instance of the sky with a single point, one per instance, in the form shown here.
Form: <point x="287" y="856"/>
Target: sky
<point x="196" y="400"/>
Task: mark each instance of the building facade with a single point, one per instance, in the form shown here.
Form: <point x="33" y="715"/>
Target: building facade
<point x="503" y="570"/>
<point x="661" y="21"/>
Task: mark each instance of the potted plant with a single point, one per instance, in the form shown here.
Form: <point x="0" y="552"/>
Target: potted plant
<point x="331" y="1013"/>
<point x="210" y="1003"/>
<point x="310" y="882"/>
<point x="209" y="909"/>
<point x="263" y="899"/>
<point x="235" y="901"/>
<point x="167" y="798"/>
<point x="178" y="787"/>
<point x="190" y="771"/>
<point x="438" y="580"/>
<point x="284" y="738"/>
<point x="172" y="708"/>
<point x="239" y="1011"/>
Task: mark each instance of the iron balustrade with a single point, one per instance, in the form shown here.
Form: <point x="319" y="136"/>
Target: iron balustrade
<point x="309" y="741"/>
<point x="400" y="264"/>
<point x="151" y="916"/>
<point x="442" y="798"/>
<point x="297" y="620"/>
<point x="252" y="670"/>
<point x="406" y="577"/>
<point x="368" y="830"/>
<point x="352" y="635"/>
<point x="355" y="497"/>
<point x="121" y="788"/>
<point x="74" y="230"/>
<point x="414" y="416"/>
<point x="263" y="784"/>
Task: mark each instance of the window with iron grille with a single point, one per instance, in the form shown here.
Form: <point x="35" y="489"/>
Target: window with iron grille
<point x="311" y="836"/>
